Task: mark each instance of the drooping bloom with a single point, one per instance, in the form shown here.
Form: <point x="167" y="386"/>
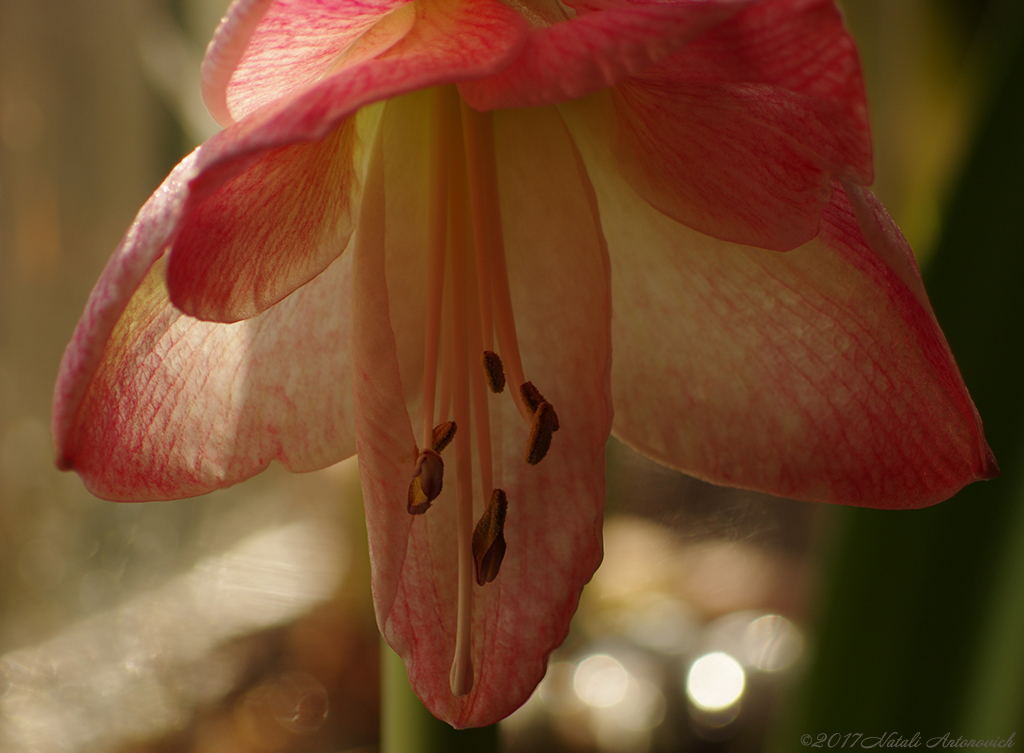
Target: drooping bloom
<point x="654" y="206"/>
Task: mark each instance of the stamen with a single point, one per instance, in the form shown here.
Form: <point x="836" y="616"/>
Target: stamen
<point x="443" y="435"/>
<point x="490" y="245"/>
<point x="544" y="423"/>
<point x="483" y="240"/>
<point x="481" y="414"/>
<point x="417" y="503"/>
<point x="481" y="165"/>
<point x="426" y="482"/>
<point x="428" y="478"/>
<point x="441" y="148"/>
<point x="489" y="538"/>
<point x="532" y="397"/>
<point x="494" y="370"/>
<point x="430" y="472"/>
<point x="447" y="379"/>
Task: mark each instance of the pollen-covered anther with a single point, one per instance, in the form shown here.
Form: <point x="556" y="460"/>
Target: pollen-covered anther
<point x="443" y="435"/>
<point x="532" y="397"/>
<point x="494" y="371"/>
<point x="489" y="538"/>
<point x="418" y="502"/>
<point x="426" y="482"/>
<point x="545" y="423"/>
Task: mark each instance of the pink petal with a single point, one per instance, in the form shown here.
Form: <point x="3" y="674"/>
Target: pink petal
<point x="583" y="55"/>
<point x="267" y="49"/>
<point x="252" y="240"/>
<point x="152" y="404"/>
<point x="816" y="374"/>
<point x="231" y="262"/>
<point x="143" y="244"/>
<point x="558" y="269"/>
<point x="225" y="51"/>
<point x="729" y="117"/>
<point x="739" y="134"/>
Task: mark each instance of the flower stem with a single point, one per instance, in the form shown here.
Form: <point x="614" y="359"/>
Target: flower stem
<point x="407" y="726"/>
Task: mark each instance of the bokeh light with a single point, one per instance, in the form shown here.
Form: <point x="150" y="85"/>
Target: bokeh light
<point x="715" y="681"/>
<point x="600" y="681"/>
<point x="772" y="643"/>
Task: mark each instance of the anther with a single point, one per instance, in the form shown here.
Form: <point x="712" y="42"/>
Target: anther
<point x="494" y="370"/>
<point x="418" y="502"/>
<point x="545" y="423"/>
<point x="489" y="538"/>
<point x="426" y="482"/>
<point x="443" y="435"/>
<point x="532" y="397"/>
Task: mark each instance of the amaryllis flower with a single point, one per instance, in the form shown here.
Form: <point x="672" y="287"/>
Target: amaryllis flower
<point x="518" y="227"/>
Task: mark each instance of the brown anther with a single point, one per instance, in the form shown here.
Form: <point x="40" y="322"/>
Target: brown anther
<point x="489" y="538"/>
<point x="532" y="397"/>
<point x="418" y="502"/>
<point x="494" y="370"/>
<point x="545" y="422"/>
<point x="426" y="482"/>
<point x="443" y="435"/>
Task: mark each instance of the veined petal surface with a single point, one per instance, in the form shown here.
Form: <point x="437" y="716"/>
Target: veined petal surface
<point x="152" y="404"/>
<point x="559" y="279"/>
<point x="816" y="374"/>
<point x="267" y="49"/>
<point x="142" y="245"/>
<point x="582" y="55"/>
<point x="250" y="241"/>
<point x="272" y="203"/>
<point x="739" y="134"/>
<point x="730" y="117"/>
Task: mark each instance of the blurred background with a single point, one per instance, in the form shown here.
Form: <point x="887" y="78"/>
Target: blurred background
<point x="721" y="620"/>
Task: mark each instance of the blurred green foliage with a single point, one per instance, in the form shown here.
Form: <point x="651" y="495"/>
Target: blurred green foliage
<point x="921" y="624"/>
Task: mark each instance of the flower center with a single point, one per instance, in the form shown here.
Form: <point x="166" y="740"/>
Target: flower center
<point x="469" y="307"/>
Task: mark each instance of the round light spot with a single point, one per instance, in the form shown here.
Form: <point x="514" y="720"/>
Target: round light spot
<point x="772" y="643"/>
<point x="601" y="681"/>
<point x="715" y="681"/>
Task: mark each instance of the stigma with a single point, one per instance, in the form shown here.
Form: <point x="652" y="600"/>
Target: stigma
<point x="471" y="352"/>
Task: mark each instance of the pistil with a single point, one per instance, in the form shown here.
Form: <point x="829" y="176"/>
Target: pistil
<point x="462" y="665"/>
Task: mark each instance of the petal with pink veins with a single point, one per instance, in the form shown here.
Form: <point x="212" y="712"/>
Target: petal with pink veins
<point x="816" y="374"/>
<point x="152" y="404"/>
<point x="267" y="49"/>
<point x="142" y="245"/>
<point x="252" y="240"/>
<point x="580" y="56"/>
<point x="738" y="135"/>
<point x="729" y="117"/>
<point x="298" y="162"/>
<point x="559" y="277"/>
